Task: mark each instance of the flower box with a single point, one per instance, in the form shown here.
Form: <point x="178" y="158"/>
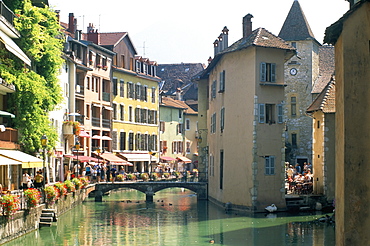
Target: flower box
<point x="67" y="129"/>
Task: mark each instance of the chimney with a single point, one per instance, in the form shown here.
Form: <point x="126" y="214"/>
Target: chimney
<point x="247" y="25"/>
<point x="225" y="37"/>
<point x="178" y="94"/>
<point x="209" y="60"/>
<point x="92" y="34"/>
<point x="215" y="46"/>
<point x="71" y="23"/>
<point x="220" y="43"/>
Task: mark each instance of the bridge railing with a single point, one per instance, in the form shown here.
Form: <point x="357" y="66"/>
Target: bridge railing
<point x="160" y="177"/>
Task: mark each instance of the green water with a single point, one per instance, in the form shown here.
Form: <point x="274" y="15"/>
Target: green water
<point x="175" y="218"/>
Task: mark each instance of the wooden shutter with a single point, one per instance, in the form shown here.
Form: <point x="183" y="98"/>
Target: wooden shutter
<point x="261" y="113"/>
<point x="263" y="72"/>
<point x="273" y="72"/>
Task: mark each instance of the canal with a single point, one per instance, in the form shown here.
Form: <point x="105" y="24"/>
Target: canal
<point x="175" y="218"/>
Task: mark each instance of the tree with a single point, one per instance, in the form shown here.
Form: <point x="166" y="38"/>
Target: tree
<point x="37" y="89"/>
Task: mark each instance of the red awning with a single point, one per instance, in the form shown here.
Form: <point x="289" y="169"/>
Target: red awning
<point x="183" y="159"/>
<point x="167" y="158"/>
<point x="115" y="160"/>
<point x="81" y="158"/>
<point x="84" y="134"/>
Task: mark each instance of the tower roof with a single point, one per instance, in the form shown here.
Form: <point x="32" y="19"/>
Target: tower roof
<point x="296" y="26"/>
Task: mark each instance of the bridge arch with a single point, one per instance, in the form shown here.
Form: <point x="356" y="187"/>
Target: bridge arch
<point x="150" y="188"/>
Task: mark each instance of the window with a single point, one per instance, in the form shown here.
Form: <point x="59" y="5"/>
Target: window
<point x="137" y="115"/>
<point x="114" y="111"/>
<point x="122" y="112"/>
<point x="213" y="123"/>
<point x="137" y="91"/>
<point x="162" y="126"/>
<point x="88" y="83"/>
<point x="115" y="87"/>
<point x="163" y="146"/>
<point x="294" y="44"/>
<point x="222" y="81"/>
<point x="123" y="61"/>
<point x="187" y="124"/>
<point x="269" y="165"/>
<point x="293" y="106"/>
<point x="130" y="90"/>
<point x="180" y="128"/>
<point x="318" y="124"/>
<point x="188" y="144"/>
<point x="221" y="169"/>
<point x="131" y="141"/>
<point x="121" y="88"/>
<point x="213" y="89"/>
<point x="211" y="165"/>
<point x="122" y="140"/>
<point x="177" y="147"/>
<point x="153" y="94"/>
<point x="267" y="72"/>
<point x="266" y="113"/>
<point x="130" y="113"/>
<point x="280" y="113"/>
<point x="180" y="114"/>
<point x="294" y="140"/>
<point x="88" y="111"/>
<point x="222" y="119"/>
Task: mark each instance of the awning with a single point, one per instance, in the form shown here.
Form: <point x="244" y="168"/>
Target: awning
<point x="167" y="158"/>
<point x="108" y="108"/>
<point x="137" y="157"/>
<point x="183" y="159"/>
<point x="84" y="134"/>
<point x="6" y="114"/>
<point x="28" y="161"/>
<point x="6" y="161"/>
<point x="115" y="160"/>
<point x="96" y="137"/>
<point x="106" y="138"/>
<point x="13" y="47"/>
<point x="82" y="158"/>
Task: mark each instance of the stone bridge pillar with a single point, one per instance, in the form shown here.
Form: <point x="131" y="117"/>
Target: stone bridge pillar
<point x="149" y="194"/>
<point x="98" y="196"/>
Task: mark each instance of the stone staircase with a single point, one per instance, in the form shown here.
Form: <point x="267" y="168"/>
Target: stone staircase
<point x="47" y="217"/>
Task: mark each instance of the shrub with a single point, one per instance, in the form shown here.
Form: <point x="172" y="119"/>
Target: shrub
<point x="32" y="197"/>
<point x="154" y="176"/>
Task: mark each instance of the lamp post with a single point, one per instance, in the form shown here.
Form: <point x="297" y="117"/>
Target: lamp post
<point x="44" y="143"/>
<point x="77" y="147"/>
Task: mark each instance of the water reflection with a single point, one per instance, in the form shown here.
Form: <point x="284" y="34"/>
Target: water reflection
<point x="175" y="218"/>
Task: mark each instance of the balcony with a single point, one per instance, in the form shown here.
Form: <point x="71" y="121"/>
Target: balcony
<point x="7" y="13"/>
<point x="80" y="90"/>
<point x="9" y="139"/>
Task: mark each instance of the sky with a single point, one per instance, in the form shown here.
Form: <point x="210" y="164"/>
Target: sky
<point x="170" y="31"/>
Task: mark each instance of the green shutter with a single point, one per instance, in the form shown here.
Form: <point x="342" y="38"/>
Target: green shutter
<point x="273" y="72"/>
<point x="261" y="113"/>
<point x="263" y="72"/>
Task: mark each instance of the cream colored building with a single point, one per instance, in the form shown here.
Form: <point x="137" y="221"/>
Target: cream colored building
<point x="135" y="103"/>
<point x="322" y="111"/>
<point x="242" y="120"/>
<point x="350" y="35"/>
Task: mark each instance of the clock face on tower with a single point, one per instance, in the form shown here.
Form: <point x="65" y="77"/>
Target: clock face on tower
<point x="293" y="71"/>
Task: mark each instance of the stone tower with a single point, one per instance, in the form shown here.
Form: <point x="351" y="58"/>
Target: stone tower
<point x="300" y="73"/>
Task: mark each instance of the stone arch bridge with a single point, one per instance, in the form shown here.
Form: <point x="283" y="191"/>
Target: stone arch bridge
<point x="150" y="188"/>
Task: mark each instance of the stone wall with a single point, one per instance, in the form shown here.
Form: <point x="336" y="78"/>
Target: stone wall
<point x="25" y="221"/>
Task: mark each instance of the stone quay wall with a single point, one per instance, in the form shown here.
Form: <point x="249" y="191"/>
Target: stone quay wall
<point x="25" y="221"/>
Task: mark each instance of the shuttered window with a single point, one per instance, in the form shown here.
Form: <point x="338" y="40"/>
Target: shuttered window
<point x="267" y="72"/>
<point x="269" y="165"/>
<point x="261" y="113"/>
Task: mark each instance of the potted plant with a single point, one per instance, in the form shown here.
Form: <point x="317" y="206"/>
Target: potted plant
<point x="144" y="176"/>
<point x="70" y="186"/>
<point x="10" y="204"/>
<point x="77" y="182"/>
<point x="62" y="188"/>
<point x="131" y="176"/>
<point x="84" y="181"/>
<point x="32" y="197"/>
<point x="166" y="175"/>
<point x="51" y="194"/>
<point x="105" y="67"/>
<point x="154" y="176"/>
<point x="120" y="177"/>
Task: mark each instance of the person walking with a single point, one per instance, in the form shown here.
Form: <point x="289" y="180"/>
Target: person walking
<point x="38" y="180"/>
<point x="114" y="173"/>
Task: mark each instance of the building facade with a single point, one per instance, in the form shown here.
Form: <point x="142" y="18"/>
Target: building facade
<point x="243" y="119"/>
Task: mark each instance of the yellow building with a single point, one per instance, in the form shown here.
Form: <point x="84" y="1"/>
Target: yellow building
<point x="135" y="103"/>
<point x="242" y="120"/>
<point x="350" y="35"/>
